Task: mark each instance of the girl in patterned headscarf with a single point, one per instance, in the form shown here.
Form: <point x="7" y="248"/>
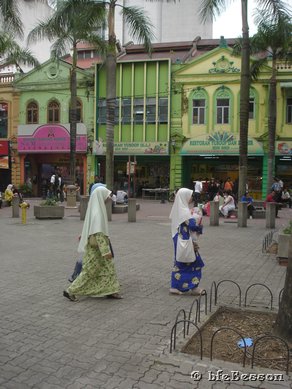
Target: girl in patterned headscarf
<point x="185" y="276"/>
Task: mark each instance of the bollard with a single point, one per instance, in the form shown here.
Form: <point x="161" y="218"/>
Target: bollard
<point x="242" y="214"/>
<point x="214" y="213"/>
<point x="71" y="196"/>
<point x="83" y="206"/>
<point x="109" y="209"/>
<point x="131" y="210"/>
<point x="270" y="215"/>
<point x="15" y="206"/>
<point x="163" y="197"/>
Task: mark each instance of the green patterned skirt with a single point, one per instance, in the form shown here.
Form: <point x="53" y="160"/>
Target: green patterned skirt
<point x="98" y="277"/>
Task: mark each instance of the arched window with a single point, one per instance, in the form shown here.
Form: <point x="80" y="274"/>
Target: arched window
<point x="32" y="113"/>
<point x="252" y="104"/>
<point x="79" y="112"/>
<point x="53" y="112"/>
<point x="223" y="105"/>
<point x="198" y="106"/>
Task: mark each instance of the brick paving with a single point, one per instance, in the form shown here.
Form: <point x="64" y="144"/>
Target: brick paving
<point x="47" y="341"/>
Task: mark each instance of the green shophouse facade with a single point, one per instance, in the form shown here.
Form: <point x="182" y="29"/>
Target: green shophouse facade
<point x="205" y="121"/>
<point x="142" y="129"/>
<point x="177" y="117"/>
<point x="43" y="136"/>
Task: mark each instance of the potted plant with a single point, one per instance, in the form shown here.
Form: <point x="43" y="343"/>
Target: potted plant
<point x="49" y="209"/>
<point x="25" y="190"/>
<point x="283" y="241"/>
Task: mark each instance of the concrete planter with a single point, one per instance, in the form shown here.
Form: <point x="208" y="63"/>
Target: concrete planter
<point x="49" y="211"/>
<point x="283" y="245"/>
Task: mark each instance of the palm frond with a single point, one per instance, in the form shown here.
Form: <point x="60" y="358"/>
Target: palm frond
<point x="256" y="66"/>
<point x="272" y="10"/>
<point x="140" y="26"/>
<point x="60" y="47"/>
<point x="12" y="53"/>
<point x="74" y="20"/>
<point x="210" y="9"/>
<point x="99" y="43"/>
<point x="11" y="16"/>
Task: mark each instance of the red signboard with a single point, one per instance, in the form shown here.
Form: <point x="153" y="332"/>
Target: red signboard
<point x="3" y="147"/>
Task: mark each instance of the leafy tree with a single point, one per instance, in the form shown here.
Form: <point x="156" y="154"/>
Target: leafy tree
<point x="273" y="38"/>
<point x="73" y="21"/>
<point x="212" y="8"/>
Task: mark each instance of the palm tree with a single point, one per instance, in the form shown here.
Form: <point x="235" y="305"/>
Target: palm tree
<point x="141" y="29"/>
<point x="212" y="8"/>
<point x="74" y="21"/>
<point x="274" y="38"/>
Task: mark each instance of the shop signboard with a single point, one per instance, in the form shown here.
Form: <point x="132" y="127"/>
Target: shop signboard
<point x="132" y="148"/>
<point x="219" y="143"/>
<point x="4" y="162"/>
<point x="3" y="147"/>
<point x="283" y="148"/>
<point x="50" y="138"/>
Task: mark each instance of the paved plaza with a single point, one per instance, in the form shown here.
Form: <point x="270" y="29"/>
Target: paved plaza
<point x="46" y="341"/>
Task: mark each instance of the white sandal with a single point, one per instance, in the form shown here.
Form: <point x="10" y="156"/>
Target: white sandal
<point x="175" y="291"/>
<point x="196" y="291"/>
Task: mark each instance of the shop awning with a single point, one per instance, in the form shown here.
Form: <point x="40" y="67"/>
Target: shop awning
<point x="286" y="84"/>
<point x="219" y="143"/>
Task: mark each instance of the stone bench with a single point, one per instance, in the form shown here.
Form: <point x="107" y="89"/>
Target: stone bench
<point x="123" y="208"/>
<point x="258" y="213"/>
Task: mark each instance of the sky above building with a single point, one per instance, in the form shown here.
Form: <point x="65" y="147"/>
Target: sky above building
<point x="229" y="23"/>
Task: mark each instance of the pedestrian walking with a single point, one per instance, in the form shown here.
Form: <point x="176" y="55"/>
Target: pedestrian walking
<point x="98" y="277"/>
<point x="185" y="228"/>
<point x="198" y="188"/>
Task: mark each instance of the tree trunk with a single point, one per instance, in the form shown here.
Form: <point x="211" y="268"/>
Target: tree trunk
<point x="244" y="102"/>
<point x="272" y="125"/>
<point x="111" y="65"/>
<point x="73" y="116"/>
<point x="283" y="325"/>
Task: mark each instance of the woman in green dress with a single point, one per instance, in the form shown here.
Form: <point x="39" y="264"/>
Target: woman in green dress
<point x="98" y="277"/>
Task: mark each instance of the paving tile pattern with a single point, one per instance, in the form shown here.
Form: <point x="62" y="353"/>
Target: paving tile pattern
<point x="47" y="341"/>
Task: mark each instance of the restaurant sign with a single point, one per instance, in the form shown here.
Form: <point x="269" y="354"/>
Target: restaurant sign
<point x="50" y="138"/>
<point x="219" y="143"/>
<point x="132" y="148"/>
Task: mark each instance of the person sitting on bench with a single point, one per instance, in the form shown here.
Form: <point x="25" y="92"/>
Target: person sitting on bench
<point x="229" y="204"/>
<point x="122" y="197"/>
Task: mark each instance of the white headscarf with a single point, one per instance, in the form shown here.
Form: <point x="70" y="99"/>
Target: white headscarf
<point x="94" y="186"/>
<point x="180" y="210"/>
<point x="96" y="216"/>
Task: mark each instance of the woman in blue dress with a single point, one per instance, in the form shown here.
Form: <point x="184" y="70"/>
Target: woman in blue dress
<point x="186" y="276"/>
